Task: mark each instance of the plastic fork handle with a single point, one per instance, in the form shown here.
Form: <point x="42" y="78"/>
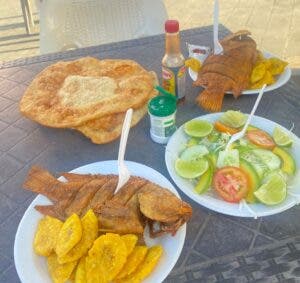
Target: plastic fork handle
<point x="261" y="92"/>
<point x="124" y="136"/>
<point x="243" y="131"/>
<point x="217" y="45"/>
<point x="122" y="146"/>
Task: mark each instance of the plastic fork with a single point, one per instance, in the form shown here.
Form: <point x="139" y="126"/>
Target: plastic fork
<point x="240" y="134"/>
<point x="124" y="173"/>
<point x="218" y="49"/>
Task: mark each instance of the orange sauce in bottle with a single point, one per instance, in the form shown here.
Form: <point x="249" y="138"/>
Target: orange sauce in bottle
<point x="173" y="68"/>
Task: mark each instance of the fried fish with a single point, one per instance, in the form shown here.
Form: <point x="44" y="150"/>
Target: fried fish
<point x="138" y="202"/>
<point x="229" y="71"/>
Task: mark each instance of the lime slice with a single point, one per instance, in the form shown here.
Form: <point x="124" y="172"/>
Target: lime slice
<point x="194" y="152"/>
<point x="273" y="191"/>
<point x="234" y="119"/>
<point x="198" y="128"/>
<point x="191" y="169"/>
<point x="281" y="138"/>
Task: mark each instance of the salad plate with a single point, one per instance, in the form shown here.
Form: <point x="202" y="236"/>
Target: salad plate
<point x="33" y="268"/>
<point x="280" y="79"/>
<point x="210" y="199"/>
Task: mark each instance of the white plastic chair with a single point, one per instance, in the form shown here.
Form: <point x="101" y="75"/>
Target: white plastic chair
<point x="71" y="24"/>
<point x="27" y="15"/>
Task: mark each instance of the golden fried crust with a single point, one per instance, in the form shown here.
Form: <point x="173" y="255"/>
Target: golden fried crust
<point x="67" y="94"/>
<point x="126" y="212"/>
<point x="100" y="135"/>
<point x="161" y="204"/>
<point x="109" y="128"/>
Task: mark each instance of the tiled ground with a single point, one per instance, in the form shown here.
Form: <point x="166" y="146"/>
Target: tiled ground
<point x="274" y="24"/>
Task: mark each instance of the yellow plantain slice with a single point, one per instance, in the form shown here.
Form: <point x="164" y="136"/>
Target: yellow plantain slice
<point x="106" y="258"/>
<point x="80" y="275"/>
<point x="267" y="79"/>
<point x="130" y="241"/>
<point x="59" y="273"/>
<point x="277" y="66"/>
<point x="89" y="224"/>
<point x="46" y="235"/>
<point x="69" y="235"/>
<point x="146" y="267"/>
<point x="258" y="73"/>
<point x="95" y="272"/>
<point x="134" y="259"/>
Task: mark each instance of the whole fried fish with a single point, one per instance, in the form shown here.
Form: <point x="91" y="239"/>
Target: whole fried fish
<point x="138" y="202"/>
<point x="229" y="71"/>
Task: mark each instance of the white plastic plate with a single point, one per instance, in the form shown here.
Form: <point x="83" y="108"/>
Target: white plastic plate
<point x="210" y="199"/>
<point x="280" y="80"/>
<point x="33" y="268"/>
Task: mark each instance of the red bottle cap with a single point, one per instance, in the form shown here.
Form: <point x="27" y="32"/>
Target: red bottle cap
<point x="171" y="26"/>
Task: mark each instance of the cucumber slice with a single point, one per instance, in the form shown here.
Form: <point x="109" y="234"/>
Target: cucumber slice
<point x="246" y="143"/>
<point x="288" y="162"/>
<point x="228" y="158"/>
<point x="269" y="158"/>
<point x="254" y="181"/>
<point x="260" y="168"/>
<point x="205" y="180"/>
<point x="194" y="152"/>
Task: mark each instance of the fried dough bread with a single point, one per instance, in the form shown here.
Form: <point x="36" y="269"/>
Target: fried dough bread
<point x="68" y="94"/>
<point x="109" y="127"/>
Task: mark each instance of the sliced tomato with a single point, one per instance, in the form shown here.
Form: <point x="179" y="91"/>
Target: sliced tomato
<point x="231" y="183"/>
<point x="225" y="129"/>
<point x="261" y="139"/>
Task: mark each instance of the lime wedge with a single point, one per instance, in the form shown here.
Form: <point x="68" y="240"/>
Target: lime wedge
<point x="234" y="119"/>
<point x="198" y="128"/>
<point x="191" y="169"/>
<point x="281" y="138"/>
<point x="194" y="152"/>
<point x="273" y="191"/>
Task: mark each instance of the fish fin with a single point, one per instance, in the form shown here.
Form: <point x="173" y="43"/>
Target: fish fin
<point x="211" y="100"/>
<point x="50" y="210"/>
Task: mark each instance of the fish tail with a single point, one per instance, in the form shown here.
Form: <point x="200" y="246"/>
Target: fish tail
<point x="39" y="180"/>
<point x="211" y="100"/>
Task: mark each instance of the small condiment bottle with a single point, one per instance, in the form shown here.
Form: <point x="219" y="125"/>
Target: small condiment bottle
<point x="173" y="67"/>
<point x="162" y="111"/>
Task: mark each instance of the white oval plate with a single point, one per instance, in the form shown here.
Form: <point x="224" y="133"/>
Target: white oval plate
<point x="210" y="199"/>
<point x="280" y="80"/>
<point x="33" y="268"/>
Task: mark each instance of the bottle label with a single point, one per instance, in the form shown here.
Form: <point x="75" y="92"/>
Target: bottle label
<point x="163" y="126"/>
<point x="174" y="80"/>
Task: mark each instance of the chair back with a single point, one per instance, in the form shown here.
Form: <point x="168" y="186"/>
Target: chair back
<point x="71" y="24"/>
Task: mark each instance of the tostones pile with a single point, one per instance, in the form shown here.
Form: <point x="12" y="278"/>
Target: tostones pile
<point x="265" y="71"/>
<point x="75" y="251"/>
<point x="89" y="95"/>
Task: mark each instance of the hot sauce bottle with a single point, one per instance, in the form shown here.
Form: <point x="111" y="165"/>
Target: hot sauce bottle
<point x="173" y="68"/>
